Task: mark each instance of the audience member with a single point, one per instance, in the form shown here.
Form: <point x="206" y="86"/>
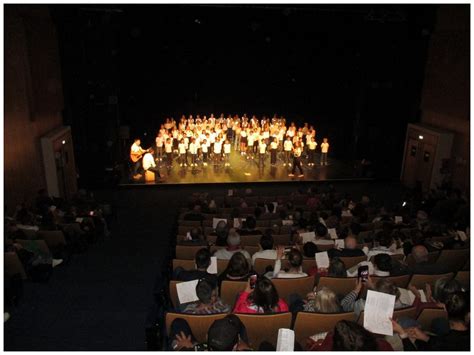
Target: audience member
<point x="266" y="249"/>
<point x="295" y="259"/>
<point x="209" y="302"/>
<point x="203" y="260"/>
<point x="238" y="269"/>
<point x="262" y="299"/>
<point x="233" y="246"/>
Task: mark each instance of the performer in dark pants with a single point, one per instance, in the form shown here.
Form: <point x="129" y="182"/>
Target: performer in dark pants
<point x="297" y="160"/>
<point x="273" y="151"/>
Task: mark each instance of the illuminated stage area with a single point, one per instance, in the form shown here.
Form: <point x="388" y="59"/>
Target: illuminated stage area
<point x="242" y="170"/>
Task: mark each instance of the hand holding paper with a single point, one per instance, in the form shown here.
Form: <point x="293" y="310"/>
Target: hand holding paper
<point x="187" y="291"/>
<point x="286" y="340"/>
<point x="378" y="311"/>
<point x="322" y="259"/>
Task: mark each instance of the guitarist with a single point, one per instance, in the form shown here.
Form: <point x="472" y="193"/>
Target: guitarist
<point x="136" y="154"/>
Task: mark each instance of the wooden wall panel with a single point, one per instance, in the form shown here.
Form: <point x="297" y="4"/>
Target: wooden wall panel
<point x="33" y="97"/>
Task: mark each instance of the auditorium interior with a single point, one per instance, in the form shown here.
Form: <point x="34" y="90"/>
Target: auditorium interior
<point x="273" y="177"/>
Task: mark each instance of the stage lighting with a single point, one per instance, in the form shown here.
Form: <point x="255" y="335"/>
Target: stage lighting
<point x="420" y="137"/>
<point x="404" y="203"/>
<point x="63" y="142"/>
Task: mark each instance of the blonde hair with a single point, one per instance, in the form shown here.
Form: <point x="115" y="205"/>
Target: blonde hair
<point x="326" y="301"/>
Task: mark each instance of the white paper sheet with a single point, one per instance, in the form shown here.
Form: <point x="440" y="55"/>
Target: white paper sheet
<point x="286" y="340"/>
<point x="308" y="237"/>
<point x="230" y="192"/>
<point x="212" y="269"/>
<point x="462" y="235"/>
<point x="187" y="291"/>
<point x="79" y="219"/>
<point x="406" y="296"/>
<point x="332" y="233"/>
<point x="378" y="311"/>
<point x="398" y="219"/>
<point x="215" y="221"/>
<point x="339" y="243"/>
<point x="322" y="259"/>
<point x="287" y="222"/>
<point x="322" y="221"/>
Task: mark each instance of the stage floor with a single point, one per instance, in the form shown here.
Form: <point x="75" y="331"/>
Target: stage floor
<point x="242" y="170"/>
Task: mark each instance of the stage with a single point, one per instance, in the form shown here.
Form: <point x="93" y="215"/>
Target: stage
<point x="242" y="170"/>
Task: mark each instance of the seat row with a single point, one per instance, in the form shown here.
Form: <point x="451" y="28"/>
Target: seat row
<point x="340" y="285"/>
<point x="265" y="327"/>
<point x="453" y="259"/>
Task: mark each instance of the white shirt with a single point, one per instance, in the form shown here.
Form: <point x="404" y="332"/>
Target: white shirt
<point x="264" y="254"/>
<point x="204" y="148"/>
<point x="288" y="146"/>
<point x="168" y="147"/>
<point x="312" y="145"/>
<point x="227" y="148"/>
<point x="273" y="145"/>
<point x="159" y="141"/>
<point x="263" y="148"/>
<point x="218" y="147"/>
<point x="136" y="148"/>
<point x="250" y="139"/>
<point x="148" y="161"/>
<point x="378" y="250"/>
<point x="281" y="274"/>
<point x="192" y="148"/>
<point x="225" y="254"/>
<point x="324" y="147"/>
<point x="182" y="148"/>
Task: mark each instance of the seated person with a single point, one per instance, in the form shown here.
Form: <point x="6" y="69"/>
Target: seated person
<point x="436" y="298"/>
<point x="203" y="260"/>
<point x="385" y="241"/>
<point x="422" y="266"/>
<point x="296" y="260"/>
<point x="457" y="337"/>
<point x="381" y="266"/>
<point x="233" y="246"/>
<point x="349" y="303"/>
<point x="266" y="246"/>
<point x="148" y="164"/>
<point x="238" y="269"/>
<point x="350" y="248"/>
<point x="249" y="227"/>
<point x="227" y="334"/>
<point x="261" y="299"/>
<point x="323" y="300"/>
<point x="221" y="232"/>
<point x="194" y="214"/>
<point x="336" y="269"/>
<point x="209" y="302"/>
<point x="349" y="336"/>
<point x="195" y="237"/>
<point x="322" y="237"/>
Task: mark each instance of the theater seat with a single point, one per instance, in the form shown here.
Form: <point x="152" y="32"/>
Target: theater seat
<point x="187" y="252"/>
<point x="230" y="291"/>
<point x="419" y="281"/>
<point x="350" y="261"/>
<point x="399" y="281"/>
<point x="340" y="285"/>
<point x="264" y="327"/>
<point x="427" y="316"/>
<point x="300" y="286"/>
<point x="453" y="259"/>
<point x="464" y="277"/>
<point x="309" y="323"/>
<point x="199" y="324"/>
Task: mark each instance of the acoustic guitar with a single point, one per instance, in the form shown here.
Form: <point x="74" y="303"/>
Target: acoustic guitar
<point x="134" y="157"/>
